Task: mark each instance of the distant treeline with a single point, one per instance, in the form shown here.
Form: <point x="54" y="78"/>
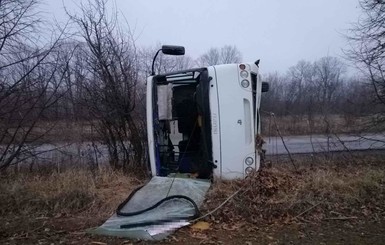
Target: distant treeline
<point x="319" y="88"/>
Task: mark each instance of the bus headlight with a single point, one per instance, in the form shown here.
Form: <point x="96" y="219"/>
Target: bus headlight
<point x="244" y="74"/>
<point x="249" y="161"/>
<point x="249" y="170"/>
<point x="245" y="83"/>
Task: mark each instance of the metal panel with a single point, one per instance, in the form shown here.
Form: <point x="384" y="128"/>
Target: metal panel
<point x="234" y="148"/>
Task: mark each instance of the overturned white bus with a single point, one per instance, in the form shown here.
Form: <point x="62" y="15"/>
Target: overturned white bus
<point x="204" y="121"/>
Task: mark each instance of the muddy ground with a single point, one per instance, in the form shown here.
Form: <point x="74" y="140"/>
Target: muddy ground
<point x="72" y="230"/>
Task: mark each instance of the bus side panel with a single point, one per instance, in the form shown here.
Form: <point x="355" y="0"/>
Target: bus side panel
<point x="236" y="122"/>
<point x="150" y="125"/>
<point x="215" y="123"/>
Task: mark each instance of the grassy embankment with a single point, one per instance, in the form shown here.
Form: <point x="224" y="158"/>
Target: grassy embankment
<point x="76" y="199"/>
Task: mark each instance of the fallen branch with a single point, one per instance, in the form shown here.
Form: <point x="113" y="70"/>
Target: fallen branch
<point x="221" y="205"/>
<point x="307" y="210"/>
<point x="341" y="218"/>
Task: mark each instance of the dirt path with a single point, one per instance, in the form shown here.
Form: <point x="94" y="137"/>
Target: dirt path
<point x="71" y="230"/>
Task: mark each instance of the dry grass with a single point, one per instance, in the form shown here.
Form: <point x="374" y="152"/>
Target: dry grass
<point x="317" y="193"/>
<point x="73" y="191"/>
<point x="272" y="195"/>
<point x="300" y="125"/>
<point x="79" y="200"/>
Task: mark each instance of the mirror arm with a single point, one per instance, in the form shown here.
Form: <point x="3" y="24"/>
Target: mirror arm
<point x="153" y="63"/>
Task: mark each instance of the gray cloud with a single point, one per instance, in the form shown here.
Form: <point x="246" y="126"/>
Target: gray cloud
<point x="279" y="32"/>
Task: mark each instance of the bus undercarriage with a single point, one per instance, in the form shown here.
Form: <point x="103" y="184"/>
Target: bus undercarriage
<point x="182" y="127"/>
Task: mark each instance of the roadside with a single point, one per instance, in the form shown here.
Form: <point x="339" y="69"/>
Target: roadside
<point x="322" y="143"/>
<point x="332" y="202"/>
<point x="71" y="230"/>
<point x="301" y="125"/>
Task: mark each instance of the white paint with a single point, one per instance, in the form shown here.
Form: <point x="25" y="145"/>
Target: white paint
<point x="237" y="134"/>
<point x="150" y="127"/>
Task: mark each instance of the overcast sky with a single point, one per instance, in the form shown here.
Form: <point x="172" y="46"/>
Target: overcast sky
<point x="279" y="32"/>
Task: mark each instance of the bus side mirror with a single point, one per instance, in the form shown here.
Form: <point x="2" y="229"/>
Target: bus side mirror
<point x="173" y="50"/>
<point x="166" y="49"/>
<point x="265" y="87"/>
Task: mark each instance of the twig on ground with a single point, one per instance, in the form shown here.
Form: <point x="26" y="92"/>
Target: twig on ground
<point x="307" y="210"/>
<point x="341" y="218"/>
<point x="224" y="202"/>
<point x="221" y="205"/>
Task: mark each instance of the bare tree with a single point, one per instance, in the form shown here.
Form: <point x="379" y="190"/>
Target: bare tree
<point x="328" y="78"/>
<point x="367" y="39"/>
<point x="215" y="56"/>
<point x="31" y="73"/>
<point x="211" y="57"/>
<point x="299" y="92"/>
<point x="230" y="54"/>
<point x="315" y="90"/>
<point x="274" y="100"/>
<point x="111" y="82"/>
